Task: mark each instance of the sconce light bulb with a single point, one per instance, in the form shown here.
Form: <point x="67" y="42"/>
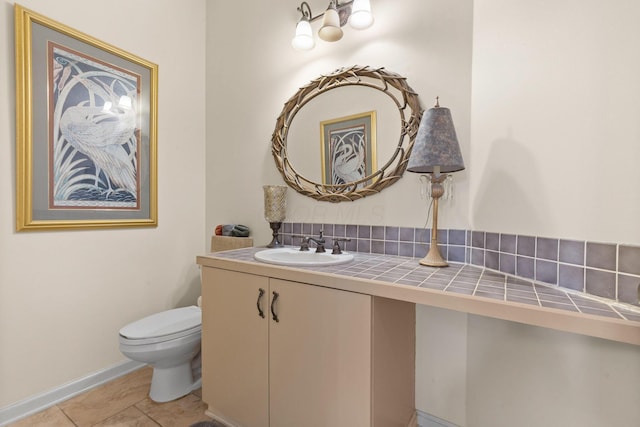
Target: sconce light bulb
<point x="330" y="30"/>
<point x="361" y="17"/>
<point x="303" y="40"/>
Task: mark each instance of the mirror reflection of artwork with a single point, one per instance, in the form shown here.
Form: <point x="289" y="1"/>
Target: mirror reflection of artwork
<point x="348" y="149"/>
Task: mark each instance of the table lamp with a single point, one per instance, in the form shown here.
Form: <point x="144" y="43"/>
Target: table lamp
<point x="436" y="152"/>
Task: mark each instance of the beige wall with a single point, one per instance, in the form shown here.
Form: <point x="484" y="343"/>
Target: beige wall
<point x="65" y="294"/>
<point x="527" y="376"/>
<point x="555" y="119"/>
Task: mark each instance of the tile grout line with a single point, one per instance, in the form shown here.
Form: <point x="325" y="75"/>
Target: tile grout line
<point x="505" y="288"/>
<point x="66" y="415"/>
<point x="535" y="291"/>
<point x="613" y="308"/>
<point x="475" y="288"/>
<point x="617" y="269"/>
<point x="452" y="279"/>
<point x="574" y="303"/>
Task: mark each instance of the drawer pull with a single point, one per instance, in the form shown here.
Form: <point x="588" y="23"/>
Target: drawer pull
<point x="273" y="301"/>
<point x="260" y="294"/>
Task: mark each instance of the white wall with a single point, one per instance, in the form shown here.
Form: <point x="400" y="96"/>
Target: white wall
<point x="441" y="364"/>
<point x="65" y="294"/>
<point x="527" y="376"/>
<point x="555" y="119"/>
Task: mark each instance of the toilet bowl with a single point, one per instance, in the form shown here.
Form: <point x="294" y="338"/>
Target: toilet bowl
<point x="169" y="341"/>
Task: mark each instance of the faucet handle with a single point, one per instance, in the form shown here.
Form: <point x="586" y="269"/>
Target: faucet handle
<point x="304" y="244"/>
<point x="336" y="245"/>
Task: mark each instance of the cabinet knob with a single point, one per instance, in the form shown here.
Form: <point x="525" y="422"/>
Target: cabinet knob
<point x="274" y="316"/>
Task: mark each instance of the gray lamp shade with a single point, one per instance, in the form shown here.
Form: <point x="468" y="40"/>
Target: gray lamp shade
<point x="436" y="144"/>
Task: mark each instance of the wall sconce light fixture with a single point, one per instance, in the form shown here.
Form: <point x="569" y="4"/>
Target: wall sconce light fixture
<point x="436" y="152"/>
<point x="356" y="12"/>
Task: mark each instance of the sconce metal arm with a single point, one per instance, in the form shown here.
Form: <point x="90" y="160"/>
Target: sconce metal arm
<point x="343" y="8"/>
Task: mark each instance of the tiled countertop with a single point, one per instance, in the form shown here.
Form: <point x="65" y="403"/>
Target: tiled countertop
<point x="460" y="287"/>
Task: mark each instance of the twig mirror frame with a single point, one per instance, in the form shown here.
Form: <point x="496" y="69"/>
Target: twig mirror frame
<point x="380" y="79"/>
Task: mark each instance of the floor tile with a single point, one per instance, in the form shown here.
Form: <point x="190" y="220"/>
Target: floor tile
<point x="130" y="417"/>
<point x="105" y="401"/>
<point x="52" y="417"/>
<point x="178" y="413"/>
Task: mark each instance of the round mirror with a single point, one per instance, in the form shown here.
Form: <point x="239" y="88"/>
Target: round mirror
<point x="352" y="138"/>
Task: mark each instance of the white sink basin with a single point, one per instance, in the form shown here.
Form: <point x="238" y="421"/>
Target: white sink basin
<point x="295" y="257"/>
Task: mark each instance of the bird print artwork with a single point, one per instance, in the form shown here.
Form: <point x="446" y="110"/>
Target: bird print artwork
<point x="348" y="150"/>
<point x="95" y="134"/>
<point x="101" y="137"/>
<point x="348" y="162"/>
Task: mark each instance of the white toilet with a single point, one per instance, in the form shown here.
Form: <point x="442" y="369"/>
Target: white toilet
<point x="170" y="342"/>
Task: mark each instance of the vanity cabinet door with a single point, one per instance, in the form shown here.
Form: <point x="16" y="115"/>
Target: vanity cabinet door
<point x="320" y="357"/>
<point x="235" y="347"/>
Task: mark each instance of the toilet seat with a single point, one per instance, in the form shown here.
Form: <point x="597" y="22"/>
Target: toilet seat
<point x="163" y="326"/>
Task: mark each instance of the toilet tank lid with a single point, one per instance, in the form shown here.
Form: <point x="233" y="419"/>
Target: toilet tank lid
<point x="164" y="323"/>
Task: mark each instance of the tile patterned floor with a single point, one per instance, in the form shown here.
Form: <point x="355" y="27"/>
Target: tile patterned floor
<point x="123" y="402"/>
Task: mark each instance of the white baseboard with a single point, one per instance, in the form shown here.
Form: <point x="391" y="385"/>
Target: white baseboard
<point x="428" y="420"/>
<point x="39" y="402"/>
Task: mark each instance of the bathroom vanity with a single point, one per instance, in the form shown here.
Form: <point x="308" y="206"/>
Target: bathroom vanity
<point x="292" y="353"/>
<point x="317" y="346"/>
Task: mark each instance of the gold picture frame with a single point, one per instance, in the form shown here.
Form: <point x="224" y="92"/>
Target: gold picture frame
<point x="86" y="130"/>
<point x="348" y="149"/>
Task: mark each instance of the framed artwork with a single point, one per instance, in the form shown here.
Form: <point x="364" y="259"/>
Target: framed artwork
<point x="86" y="130"/>
<point x="348" y="149"/>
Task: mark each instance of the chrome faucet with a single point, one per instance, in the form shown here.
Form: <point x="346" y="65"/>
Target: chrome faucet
<point x="319" y="241"/>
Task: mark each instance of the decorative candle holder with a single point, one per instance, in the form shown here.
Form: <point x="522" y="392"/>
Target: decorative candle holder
<point x="275" y="209"/>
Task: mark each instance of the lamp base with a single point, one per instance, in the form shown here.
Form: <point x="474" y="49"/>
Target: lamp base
<point x="275" y="227"/>
<point x="433" y="258"/>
